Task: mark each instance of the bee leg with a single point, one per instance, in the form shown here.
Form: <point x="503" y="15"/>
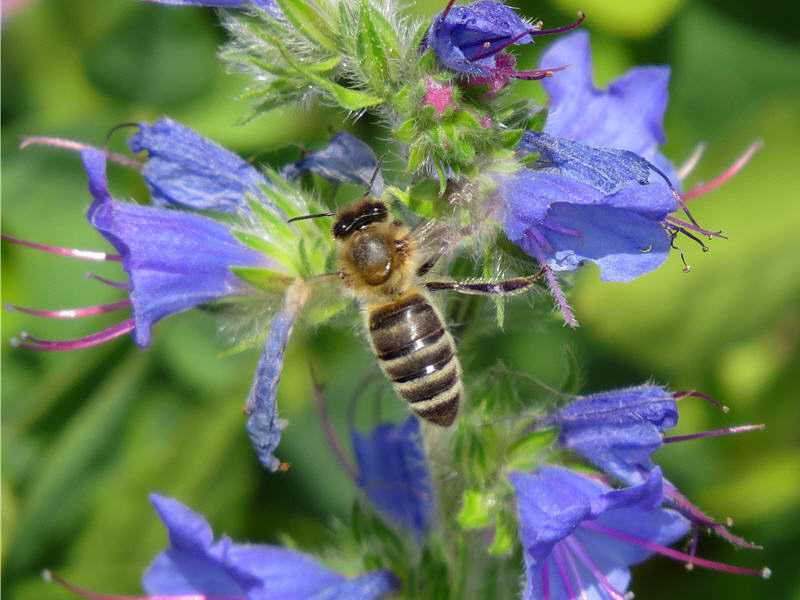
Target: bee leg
<point x="507" y="287"/>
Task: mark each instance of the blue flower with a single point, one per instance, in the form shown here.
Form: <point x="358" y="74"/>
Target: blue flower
<point x="195" y="565"/>
<point x="174" y="261"/>
<point x="345" y="158"/>
<point x="580" y="537"/>
<point x="628" y="115"/>
<point x="471" y="39"/>
<point x="394" y="475"/>
<point x="618" y="432"/>
<point x="184" y="169"/>
<point x="263" y="425"/>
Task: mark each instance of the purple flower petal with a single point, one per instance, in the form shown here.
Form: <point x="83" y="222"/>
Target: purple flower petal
<point x="555" y="503"/>
<point x="346" y="158"/>
<point x="263" y="424"/>
<point x="466" y="38"/>
<point x="618" y="431"/>
<point x="629" y="115"/>
<point x="393" y="473"/>
<point x="567" y="222"/>
<point x="175" y="261"/>
<point x="194" y="564"/>
<point x="185" y="169"/>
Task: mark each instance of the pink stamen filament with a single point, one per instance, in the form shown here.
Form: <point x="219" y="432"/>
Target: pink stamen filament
<point x="738" y="165"/>
<point x="537" y="73"/>
<point x="72" y="313"/>
<point x="570" y="27"/>
<point x="686" y="168"/>
<point x="587" y="561"/>
<point x="558" y="557"/>
<point x="713" y="433"/>
<point x="447" y="8"/>
<point x="95" y="339"/>
<point x="49" y="576"/>
<point x="692" y="227"/>
<point x="573" y="567"/>
<point x="702" y="396"/>
<point x="122" y="285"/>
<point x="672" y="553"/>
<point x="692" y="512"/>
<point x="54" y="142"/>
<point x="69" y="252"/>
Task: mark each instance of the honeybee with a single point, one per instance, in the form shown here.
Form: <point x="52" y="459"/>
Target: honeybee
<point x="382" y="263"/>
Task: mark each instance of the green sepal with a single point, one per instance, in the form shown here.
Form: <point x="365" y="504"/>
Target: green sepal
<point x="264" y="279"/>
<point x="271" y="220"/>
<point x="258" y="243"/>
<point x="406" y="131"/>
<point x="346" y="97"/>
<point x="523" y="455"/>
<point x="504" y="535"/>
<point x="511" y="137"/>
<point x="376" y="46"/>
<point x="309" y="21"/>
<point x="475" y="510"/>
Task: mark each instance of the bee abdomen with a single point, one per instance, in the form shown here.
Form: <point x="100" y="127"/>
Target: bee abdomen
<point x="418" y="356"/>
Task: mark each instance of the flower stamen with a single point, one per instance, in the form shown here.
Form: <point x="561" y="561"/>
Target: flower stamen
<point x="27" y="341"/>
<point x="122" y="285"/>
<point x="587" y="561"/>
<point x="71" y="313"/>
<point x="713" y="433"/>
<point x="695" y="394"/>
<point x="51" y="577"/>
<point x="95" y="255"/>
<point x="54" y="142"/>
<point x="574" y="25"/>
<point x="675" y="554"/>
<point x="738" y="165"/>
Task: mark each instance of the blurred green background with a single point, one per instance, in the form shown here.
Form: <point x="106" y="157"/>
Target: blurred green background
<point x="86" y="436"/>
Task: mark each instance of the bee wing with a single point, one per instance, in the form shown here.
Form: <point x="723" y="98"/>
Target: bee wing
<point x="433" y="240"/>
<point x="246" y="319"/>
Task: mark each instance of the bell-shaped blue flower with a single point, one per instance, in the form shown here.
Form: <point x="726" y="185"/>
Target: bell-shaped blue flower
<point x="471" y="39"/>
<point x="187" y="170"/>
<point x="196" y="564"/>
<point x="263" y="425"/>
<point x="579" y="536"/>
<point x="618" y="431"/>
<point x="174" y="260"/>
<point x="345" y="159"/>
<point x="394" y="475"/>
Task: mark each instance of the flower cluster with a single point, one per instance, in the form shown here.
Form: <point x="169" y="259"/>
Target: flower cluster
<point x="582" y="180"/>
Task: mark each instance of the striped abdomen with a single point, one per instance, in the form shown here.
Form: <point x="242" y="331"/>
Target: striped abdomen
<point x="417" y="354"/>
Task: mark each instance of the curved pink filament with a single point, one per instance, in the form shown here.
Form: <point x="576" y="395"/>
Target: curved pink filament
<point x="95" y="255"/>
<point x="54" y="142"/>
<point x="738" y="165"/>
<point x="587" y="561"/>
<point x="695" y="394"/>
<point x="122" y="285"/>
<point x="669" y="439"/>
<point x="95" y="339"/>
<point x="570" y="27"/>
<point x="672" y="553"/>
<point x="72" y="313"/>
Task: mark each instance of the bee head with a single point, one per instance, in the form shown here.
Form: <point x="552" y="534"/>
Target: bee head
<point x="359" y="216"/>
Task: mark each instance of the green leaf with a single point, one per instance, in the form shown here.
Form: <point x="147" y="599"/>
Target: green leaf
<point x="504" y="535"/>
<point x="308" y="20"/>
<point x="406" y="131"/>
<point x="524" y="454"/>
<point x="346" y="97"/>
<point x="370" y="50"/>
<point x="475" y="510"/>
<point x="263" y="279"/>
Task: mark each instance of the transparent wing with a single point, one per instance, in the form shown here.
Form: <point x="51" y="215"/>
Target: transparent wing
<point x="245" y="320"/>
<point x="435" y="239"/>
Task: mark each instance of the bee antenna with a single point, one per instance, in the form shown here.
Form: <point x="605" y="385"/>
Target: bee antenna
<point x="374" y="176"/>
<point x="314" y="216"/>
